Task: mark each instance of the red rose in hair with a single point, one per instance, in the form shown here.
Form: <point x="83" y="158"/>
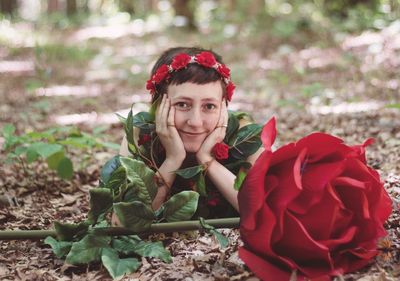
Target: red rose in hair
<point x="150" y="86"/>
<point x="313" y="206"/>
<point x="220" y="151"/>
<point x="206" y="59"/>
<point x="143" y="139"/>
<point x="229" y="90"/>
<point x="161" y="73"/>
<point x="180" y="61"/>
<point x="224" y="71"/>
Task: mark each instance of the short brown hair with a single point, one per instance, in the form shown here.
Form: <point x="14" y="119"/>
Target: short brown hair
<point x="192" y="73"/>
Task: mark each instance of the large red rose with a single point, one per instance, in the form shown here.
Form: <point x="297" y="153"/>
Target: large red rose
<point x="206" y="59"/>
<point x="313" y="206"/>
<point x="180" y="61"/>
<point x="224" y="71"/>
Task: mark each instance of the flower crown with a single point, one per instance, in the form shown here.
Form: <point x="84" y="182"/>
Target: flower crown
<point x="182" y="60"/>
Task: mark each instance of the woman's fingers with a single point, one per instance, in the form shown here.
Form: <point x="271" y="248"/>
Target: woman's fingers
<point x="171" y="115"/>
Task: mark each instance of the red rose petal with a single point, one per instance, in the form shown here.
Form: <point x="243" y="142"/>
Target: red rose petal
<point x="268" y="134"/>
<point x="249" y="197"/>
<point x="262" y="268"/>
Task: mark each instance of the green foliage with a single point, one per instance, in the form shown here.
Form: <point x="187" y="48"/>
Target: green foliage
<point x="52" y="145"/>
<point x="223" y="240"/>
<point x="61" y="53"/>
<point x="86" y="242"/>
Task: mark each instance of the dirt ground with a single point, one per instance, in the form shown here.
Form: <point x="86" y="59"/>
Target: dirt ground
<point x="343" y="89"/>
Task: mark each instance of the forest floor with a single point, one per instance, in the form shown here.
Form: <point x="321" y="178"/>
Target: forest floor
<point x="349" y="87"/>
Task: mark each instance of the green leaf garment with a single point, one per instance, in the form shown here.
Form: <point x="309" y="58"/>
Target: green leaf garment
<point x="242" y="137"/>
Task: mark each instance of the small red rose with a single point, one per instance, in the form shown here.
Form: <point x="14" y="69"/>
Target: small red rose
<point x="180" y="61"/>
<point x="224" y="71"/>
<point x="150" y="86"/>
<point x="220" y="151"/>
<point x="206" y="59"/>
<point x="144" y="139"/>
<point x="229" y="90"/>
<point x="161" y="74"/>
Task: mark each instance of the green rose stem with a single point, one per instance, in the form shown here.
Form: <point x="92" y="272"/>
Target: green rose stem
<point x="115" y="231"/>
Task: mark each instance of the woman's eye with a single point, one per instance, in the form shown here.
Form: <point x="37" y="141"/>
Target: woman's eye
<point x="182" y="105"/>
<point x="210" y="106"/>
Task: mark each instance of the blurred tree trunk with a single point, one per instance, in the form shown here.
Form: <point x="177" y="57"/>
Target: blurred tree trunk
<point x="8" y="6"/>
<point x="52" y="6"/>
<point x="71" y="7"/>
<point x="150" y="5"/>
<point x="185" y="9"/>
<point x="127" y="6"/>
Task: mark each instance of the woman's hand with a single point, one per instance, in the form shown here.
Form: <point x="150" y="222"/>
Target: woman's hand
<point x="205" y="152"/>
<point x="169" y="136"/>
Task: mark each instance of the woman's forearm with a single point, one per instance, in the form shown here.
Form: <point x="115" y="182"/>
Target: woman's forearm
<point x="165" y="178"/>
<point x="224" y="180"/>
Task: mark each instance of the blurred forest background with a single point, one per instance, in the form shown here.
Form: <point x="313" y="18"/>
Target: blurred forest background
<point x="67" y="66"/>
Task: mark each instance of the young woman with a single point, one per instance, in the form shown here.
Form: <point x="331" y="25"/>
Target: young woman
<point x="190" y="89"/>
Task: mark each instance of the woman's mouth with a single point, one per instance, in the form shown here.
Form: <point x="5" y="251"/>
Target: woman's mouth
<point x="192" y="134"/>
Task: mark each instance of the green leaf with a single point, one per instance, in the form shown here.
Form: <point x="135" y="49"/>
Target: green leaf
<point x="121" y="118"/>
<point x="117" y="182"/>
<point x="222" y="239"/>
<point x="246" y="133"/>
<point x="100" y="202"/>
<point x="240" y="178"/>
<point x="153" y="250"/>
<point x="31" y="155"/>
<point x="190" y="172"/>
<point x="118" y="267"/>
<point x="8" y="130"/>
<point x="143" y="121"/>
<point x="109" y="167"/>
<point x="134" y="215"/>
<point x="54" y="160"/>
<point x="60" y="248"/>
<point x="132" y="244"/>
<point x="233" y="125"/>
<point x="181" y="206"/>
<point x="245" y="149"/>
<point x="20" y="150"/>
<point x="111" y="145"/>
<point x="88" y="249"/>
<point x="65" y="169"/>
<point x="142" y="177"/>
<point x="46" y="149"/>
<point x="201" y="185"/>
<point x="67" y="231"/>
<point x="393" y="105"/>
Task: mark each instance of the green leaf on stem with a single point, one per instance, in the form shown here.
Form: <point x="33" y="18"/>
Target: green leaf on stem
<point x="181" y="206"/>
<point x="233" y="125"/>
<point x="100" y="202"/>
<point x="134" y="215"/>
<point x="67" y="231"/>
<point x="88" y="249"/>
<point x="65" y="169"/>
<point x="60" y="248"/>
<point x="142" y="177"/>
<point x="190" y="172"/>
<point x="46" y="149"/>
<point x="143" y="121"/>
<point x="54" y="160"/>
<point x="222" y="239"/>
<point x="201" y="185"/>
<point x="132" y="244"/>
<point x="118" y="267"/>
<point x="108" y="168"/>
<point x="240" y="177"/>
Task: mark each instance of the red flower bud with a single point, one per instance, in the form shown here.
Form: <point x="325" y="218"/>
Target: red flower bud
<point x="206" y="59"/>
<point x="220" y="151"/>
<point x="180" y="61"/>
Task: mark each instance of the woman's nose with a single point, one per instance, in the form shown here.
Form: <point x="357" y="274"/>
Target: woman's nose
<point x="195" y="118"/>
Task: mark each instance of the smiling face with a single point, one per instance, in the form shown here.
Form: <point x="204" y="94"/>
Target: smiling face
<point x="197" y="111"/>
